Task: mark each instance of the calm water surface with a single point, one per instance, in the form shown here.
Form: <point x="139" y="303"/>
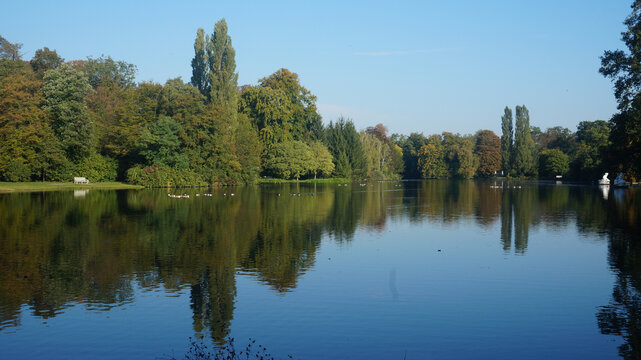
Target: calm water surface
<point x="391" y="270"/>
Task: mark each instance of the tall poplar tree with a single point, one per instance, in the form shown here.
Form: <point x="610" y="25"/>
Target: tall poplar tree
<point x="506" y="139"/>
<point x="223" y="102"/>
<point x="524" y="156"/>
<point x="223" y="79"/>
<point x="200" y="63"/>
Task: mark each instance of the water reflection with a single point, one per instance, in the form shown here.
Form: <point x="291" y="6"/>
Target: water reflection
<point x="622" y="316"/>
<point x="58" y="249"/>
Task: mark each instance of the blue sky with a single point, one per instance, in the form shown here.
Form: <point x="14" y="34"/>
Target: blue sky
<point x="415" y="66"/>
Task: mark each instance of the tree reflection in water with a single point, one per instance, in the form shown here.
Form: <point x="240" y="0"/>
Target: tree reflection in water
<point x="622" y="316"/>
<point x="57" y="251"/>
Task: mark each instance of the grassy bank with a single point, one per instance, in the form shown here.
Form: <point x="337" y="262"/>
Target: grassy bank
<point x="6" y="187"/>
<point x="318" y="181"/>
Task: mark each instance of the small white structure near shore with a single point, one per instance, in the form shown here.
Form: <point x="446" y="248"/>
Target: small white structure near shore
<point x="80" y="180"/>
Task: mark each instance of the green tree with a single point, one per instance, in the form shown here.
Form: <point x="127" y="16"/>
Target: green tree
<point x="524" y="151"/>
<point x="248" y="149"/>
<point x="160" y="144"/>
<point x="467" y="161"/>
<point x="223" y="79"/>
<point x="120" y="115"/>
<point x="269" y="111"/>
<point x="64" y="90"/>
<point x="625" y="139"/>
<point x="181" y="101"/>
<point x="410" y="146"/>
<point x="553" y="162"/>
<point x="376" y="153"/>
<point x="459" y="155"/>
<point x="9" y="67"/>
<point x="96" y="168"/>
<point x="282" y="109"/>
<point x="186" y="106"/>
<point x="623" y="68"/>
<point x="488" y="150"/>
<point x="556" y="137"/>
<point x="321" y="161"/>
<point x="200" y="63"/>
<point x="28" y="147"/>
<point x="431" y="159"/>
<point x="118" y="109"/>
<point x="384" y="158"/>
<point x="223" y="105"/>
<point x="299" y="104"/>
<point x="45" y="59"/>
<point x="9" y="50"/>
<point x="397" y="165"/>
<point x="106" y="71"/>
<point x="592" y="144"/>
<point x="507" y="138"/>
<point x="535" y="133"/>
<point x="288" y="160"/>
<point x="343" y="168"/>
<point x="342" y="140"/>
<point x="17" y="171"/>
<point x="106" y="107"/>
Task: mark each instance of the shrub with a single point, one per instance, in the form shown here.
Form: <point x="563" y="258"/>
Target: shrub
<point x="17" y="170"/>
<point x="553" y="162"/>
<point x="96" y="168"/>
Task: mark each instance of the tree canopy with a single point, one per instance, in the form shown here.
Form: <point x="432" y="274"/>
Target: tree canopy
<point x="624" y="69"/>
<point x="90" y="116"/>
<point x="524" y="155"/>
<point x="45" y="59"/>
<point x="507" y="139"/>
<point x="488" y="150"/>
<point x="64" y="92"/>
<point x="9" y="51"/>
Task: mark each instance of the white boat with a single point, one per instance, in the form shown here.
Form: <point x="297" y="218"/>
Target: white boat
<point x="604" y="180"/>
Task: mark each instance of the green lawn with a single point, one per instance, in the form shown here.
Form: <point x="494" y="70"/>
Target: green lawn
<point x="52" y="186"/>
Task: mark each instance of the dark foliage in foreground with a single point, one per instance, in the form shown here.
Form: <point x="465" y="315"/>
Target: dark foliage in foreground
<point x="198" y="350"/>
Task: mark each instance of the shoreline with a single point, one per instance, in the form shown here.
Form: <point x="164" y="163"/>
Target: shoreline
<point x="19" y="187"/>
<point x="23" y="187"/>
<point x="307" y="181"/>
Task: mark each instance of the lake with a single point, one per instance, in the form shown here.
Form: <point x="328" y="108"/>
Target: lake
<point x="388" y="270"/>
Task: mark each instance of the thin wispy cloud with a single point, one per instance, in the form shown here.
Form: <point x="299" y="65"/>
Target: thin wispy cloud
<point x="401" y="52"/>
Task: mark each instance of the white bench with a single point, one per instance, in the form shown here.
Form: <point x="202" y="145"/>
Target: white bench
<point x="80" y="180"/>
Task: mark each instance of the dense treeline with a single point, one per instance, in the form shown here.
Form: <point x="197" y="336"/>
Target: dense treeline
<point x="90" y="118"/>
<point x="521" y="151"/>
